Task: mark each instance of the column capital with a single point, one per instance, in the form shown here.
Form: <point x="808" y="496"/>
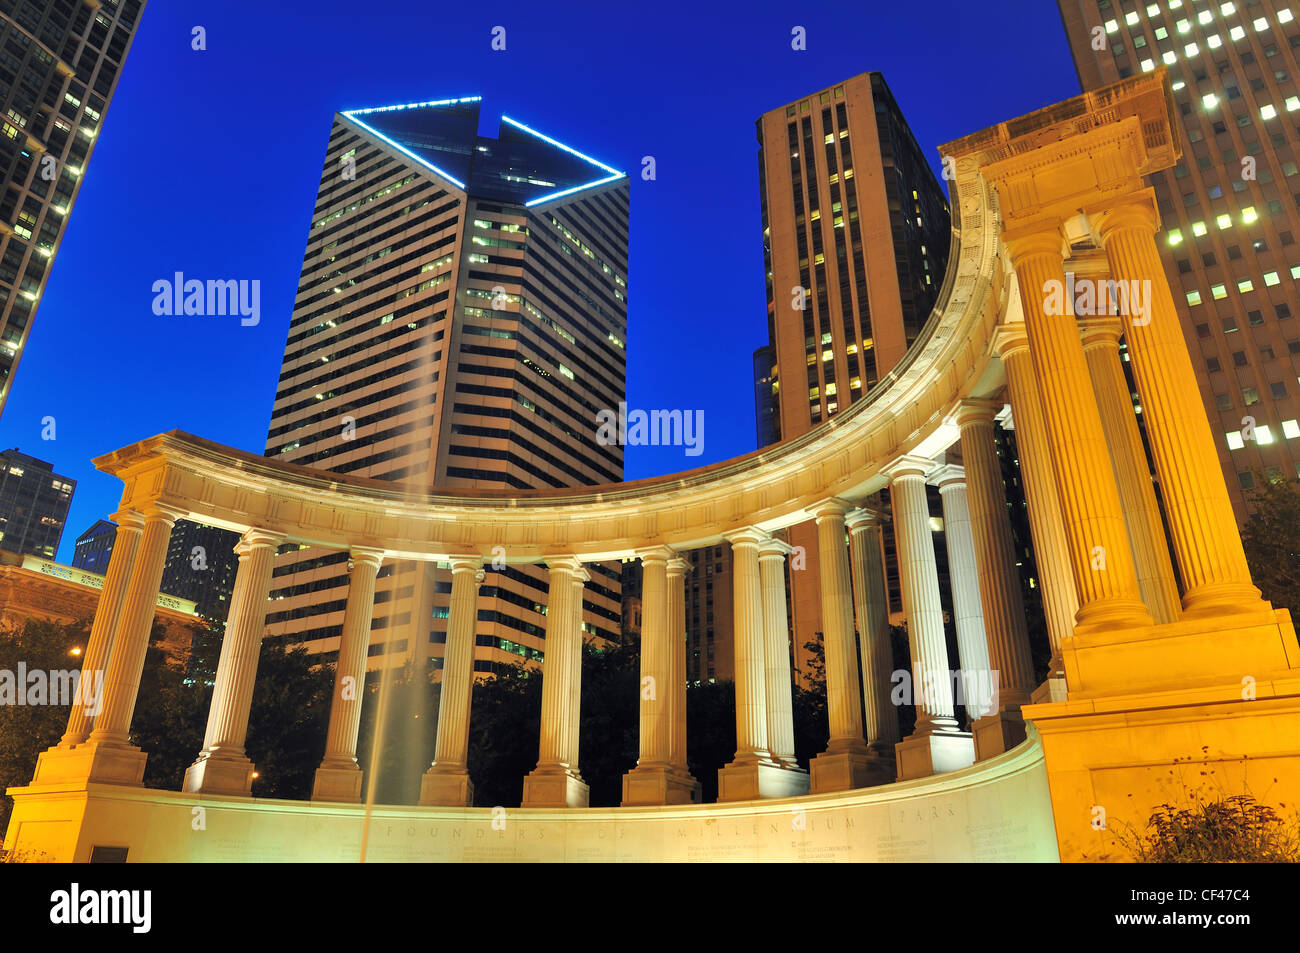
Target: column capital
<point x="1135" y="210"/>
<point x="656" y="553"/>
<point x="678" y="565"/>
<point x="977" y="410"/>
<point x="774" y="548"/>
<point x="830" y="507"/>
<point x="366" y="555"/>
<point x="258" y="538"/>
<point x="128" y="517"/>
<point x="946" y="476"/>
<point x="155" y="510"/>
<point x="861" y="519"/>
<point x="1010" y="338"/>
<point x="909" y="465"/>
<point x="1101" y="330"/>
<point x="568" y="565"/>
<point x="1034" y="239"/>
<point x="464" y="564"/>
<point x="1008" y="419"/>
<point x="746" y="536"/>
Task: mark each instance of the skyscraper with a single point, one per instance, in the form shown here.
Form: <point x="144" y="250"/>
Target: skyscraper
<point x="460" y="321"/>
<point x="34" y="503"/>
<point x="1228" y="209"/>
<point x="855" y="237"/>
<point x="59" y="64"/>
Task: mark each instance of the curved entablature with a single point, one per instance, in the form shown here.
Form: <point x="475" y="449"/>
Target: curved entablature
<point x="771" y="489"/>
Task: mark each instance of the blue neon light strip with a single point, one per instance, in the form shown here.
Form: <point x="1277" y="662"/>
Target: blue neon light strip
<point x="437" y="102"/>
<point x="614" y="173"/>
<point x="402" y="149"/>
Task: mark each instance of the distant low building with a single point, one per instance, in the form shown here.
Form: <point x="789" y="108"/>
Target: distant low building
<point x="34" y="503"/>
<point x="35" y="588"/>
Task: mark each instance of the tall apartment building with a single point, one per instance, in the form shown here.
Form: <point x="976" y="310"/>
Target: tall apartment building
<point x="855" y="236"/>
<point x="59" y="65"/>
<point x="460" y="321"/>
<point x="200" y="565"/>
<point x="1228" y="208"/>
<point x="34" y="503"/>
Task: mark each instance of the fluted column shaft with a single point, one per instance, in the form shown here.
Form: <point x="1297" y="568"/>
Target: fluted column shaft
<point x="131" y="643"/>
<point x="350" y="675"/>
<point x="751" y="675"/>
<point x="968" y="614"/>
<point x="1201" y="521"/>
<point x="563" y="650"/>
<point x="577" y="585"/>
<point x="232" y="695"/>
<point x="1005" y="625"/>
<point x="919" y="574"/>
<point x="676" y="581"/>
<point x="1146" y="531"/>
<point x="1104" y="576"/>
<point x="843" y="687"/>
<point x="1046" y="523"/>
<point x="452" y="745"/>
<point x="872" y="608"/>
<point x="107" y="615"/>
<point x="656" y="686"/>
<point x="776" y="650"/>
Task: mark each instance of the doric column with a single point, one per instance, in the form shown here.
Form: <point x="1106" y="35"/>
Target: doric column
<point x="964" y="582"/>
<point x="339" y="776"/>
<point x="107" y="615"/>
<point x="131" y="643"/>
<point x="222" y="767"/>
<point x="446" y="782"/>
<point x="677" y="567"/>
<point x="1146" y="530"/>
<point x="753" y="773"/>
<point x="776" y="651"/>
<point x="995" y="556"/>
<point x="875" y="652"/>
<point x="844" y="763"/>
<point x="556" y="782"/>
<point x="1202" y="526"/>
<point x="653" y="781"/>
<point x="1046" y="524"/>
<point x="936" y="744"/>
<point x="1104" y="577"/>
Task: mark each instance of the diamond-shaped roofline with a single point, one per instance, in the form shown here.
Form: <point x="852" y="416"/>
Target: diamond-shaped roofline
<point x="521" y="165"/>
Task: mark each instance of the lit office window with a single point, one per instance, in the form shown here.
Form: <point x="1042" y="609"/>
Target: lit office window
<point x="1234" y="440"/>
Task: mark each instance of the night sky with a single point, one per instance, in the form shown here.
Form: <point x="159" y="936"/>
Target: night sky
<point x="208" y="164"/>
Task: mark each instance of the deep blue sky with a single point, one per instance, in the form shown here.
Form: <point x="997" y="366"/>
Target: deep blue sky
<point x="208" y="164"/>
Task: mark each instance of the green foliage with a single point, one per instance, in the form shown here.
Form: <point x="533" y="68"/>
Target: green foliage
<point x="610" y="718"/>
<point x="811" y="722"/>
<point x="1271" y="537"/>
<point x="1236" y="829"/>
<point x="710" y="733"/>
<point x="504" y="726"/>
<point x="27" y="730"/>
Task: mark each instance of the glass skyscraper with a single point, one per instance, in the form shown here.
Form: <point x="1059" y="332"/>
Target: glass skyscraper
<point x="460" y="321"/>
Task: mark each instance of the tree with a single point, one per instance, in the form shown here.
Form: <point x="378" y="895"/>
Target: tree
<point x="27" y="730"/>
<point x="1271" y="537"/>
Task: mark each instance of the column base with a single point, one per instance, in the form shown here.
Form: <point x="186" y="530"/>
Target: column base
<point x="552" y="786"/>
<point x="846" y="770"/>
<point x="215" y="772"/>
<point x="997" y="733"/>
<point x="98" y="761"/>
<point x="658" y="784"/>
<point x="760" y="779"/>
<point x="923" y="756"/>
<point x="1052" y="690"/>
<point x="446" y="787"/>
<point x="337" y="781"/>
